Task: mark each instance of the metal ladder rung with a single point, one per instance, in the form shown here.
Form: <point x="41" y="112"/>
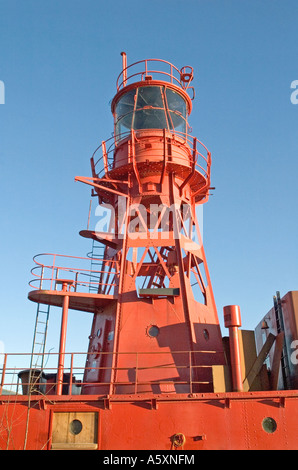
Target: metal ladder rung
<point x="38" y="347"/>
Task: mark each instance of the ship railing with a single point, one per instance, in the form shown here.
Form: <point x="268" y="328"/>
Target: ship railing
<point x="51" y="267"/>
<point x="102" y="160"/>
<point x="156" y="69"/>
<point x="175" y="369"/>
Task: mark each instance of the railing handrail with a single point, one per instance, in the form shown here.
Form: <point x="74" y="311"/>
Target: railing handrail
<point x="183" y="137"/>
<point x="38" y="374"/>
<point x="173" y="76"/>
<point x="56" y="269"/>
<point x="64" y="256"/>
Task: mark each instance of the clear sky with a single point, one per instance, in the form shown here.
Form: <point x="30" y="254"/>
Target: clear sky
<point x="59" y="61"/>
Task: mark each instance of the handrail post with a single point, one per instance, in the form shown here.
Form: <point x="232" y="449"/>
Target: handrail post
<point x="41" y="277"/>
<point x="134" y="163"/>
<point x="56" y="277"/>
<point x="105" y="157"/>
<point x="3" y="373"/>
<point x="53" y="267"/>
<point x="70" y="377"/>
<point x="76" y="281"/>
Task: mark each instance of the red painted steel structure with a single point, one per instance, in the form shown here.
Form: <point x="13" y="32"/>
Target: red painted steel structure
<point x="233" y="322"/>
<point x="158" y="374"/>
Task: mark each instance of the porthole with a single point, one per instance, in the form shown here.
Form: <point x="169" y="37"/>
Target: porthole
<point x="206" y="334"/>
<point x="99" y="331"/>
<point x="269" y="425"/>
<point x="75" y="426"/>
<point x="152" y="331"/>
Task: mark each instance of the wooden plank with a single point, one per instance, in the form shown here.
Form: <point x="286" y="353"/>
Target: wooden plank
<point x="73" y="446"/>
<point x="258" y="362"/>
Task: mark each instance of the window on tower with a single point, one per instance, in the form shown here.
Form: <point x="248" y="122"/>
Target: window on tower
<point x="150" y="107"/>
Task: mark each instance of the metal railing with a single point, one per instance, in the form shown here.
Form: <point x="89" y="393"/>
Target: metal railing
<point x="158" y="69"/>
<point x="50" y="268"/>
<point x="173" y="370"/>
<point x="199" y="155"/>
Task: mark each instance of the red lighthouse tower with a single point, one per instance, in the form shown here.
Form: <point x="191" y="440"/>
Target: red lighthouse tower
<point x="164" y="323"/>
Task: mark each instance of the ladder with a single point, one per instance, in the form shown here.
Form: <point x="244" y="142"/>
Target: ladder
<point x="158" y="277"/>
<point x="39" y="337"/>
<point x="96" y="255"/>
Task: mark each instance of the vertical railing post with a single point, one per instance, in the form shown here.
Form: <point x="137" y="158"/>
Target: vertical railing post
<point x="70" y="377"/>
<point x="53" y="267"/>
<point x="105" y="157"/>
<point x="41" y="277"/>
<point x="76" y="281"/>
<point x="3" y="373"/>
<point x="56" y="277"/>
<point x="134" y="163"/>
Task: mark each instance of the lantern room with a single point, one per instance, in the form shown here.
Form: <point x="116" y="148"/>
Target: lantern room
<point x="150" y="107"/>
<point x="157" y="100"/>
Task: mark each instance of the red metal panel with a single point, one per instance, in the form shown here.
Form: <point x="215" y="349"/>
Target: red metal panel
<point x="254" y="421"/>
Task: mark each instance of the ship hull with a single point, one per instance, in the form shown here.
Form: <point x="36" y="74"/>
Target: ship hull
<point x="210" y="421"/>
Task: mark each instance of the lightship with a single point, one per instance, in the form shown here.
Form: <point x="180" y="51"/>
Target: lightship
<point x="158" y="373"/>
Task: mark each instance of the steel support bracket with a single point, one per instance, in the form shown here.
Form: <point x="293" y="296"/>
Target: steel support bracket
<point x="227" y="403"/>
<point x="154" y="404"/>
<point x="282" y="402"/>
<point x="42" y="404"/>
<point x="107" y="403"/>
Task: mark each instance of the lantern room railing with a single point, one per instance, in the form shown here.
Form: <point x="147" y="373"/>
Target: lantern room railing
<point x="156" y="69"/>
<point x="199" y="155"/>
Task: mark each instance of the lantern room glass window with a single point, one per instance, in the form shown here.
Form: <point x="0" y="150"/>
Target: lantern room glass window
<point x="150" y="107"/>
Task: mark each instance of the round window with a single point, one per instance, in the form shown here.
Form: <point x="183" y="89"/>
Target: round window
<point x="269" y="425"/>
<point x="153" y="331"/>
<point x="75" y="426"/>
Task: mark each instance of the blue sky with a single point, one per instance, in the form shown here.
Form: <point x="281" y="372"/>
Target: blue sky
<point x="59" y="62"/>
